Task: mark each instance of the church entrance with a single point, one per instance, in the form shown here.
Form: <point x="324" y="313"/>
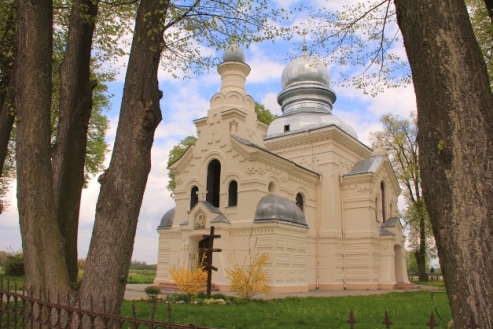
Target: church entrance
<point x="400" y="266"/>
<point x="203" y="245"/>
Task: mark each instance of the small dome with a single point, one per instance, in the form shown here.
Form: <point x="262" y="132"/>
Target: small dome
<point x="167" y="220"/>
<point x="305" y="69"/>
<point x="234" y="53"/>
<point x="275" y="208"/>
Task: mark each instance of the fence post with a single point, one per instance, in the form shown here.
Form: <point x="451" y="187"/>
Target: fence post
<point x="351" y="320"/>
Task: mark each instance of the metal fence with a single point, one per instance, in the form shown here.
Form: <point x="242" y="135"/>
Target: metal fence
<point x="17" y="310"/>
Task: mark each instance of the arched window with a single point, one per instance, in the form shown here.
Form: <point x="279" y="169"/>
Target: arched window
<point x="194" y="198"/>
<point x="213" y="182"/>
<point x="299" y="201"/>
<point x="233" y="194"/>
<point x="382" y="191"/>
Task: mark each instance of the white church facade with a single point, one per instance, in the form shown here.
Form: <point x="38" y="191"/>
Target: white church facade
<point x="303" y="190"/>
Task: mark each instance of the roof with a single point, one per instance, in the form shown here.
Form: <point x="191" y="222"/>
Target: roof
<point x="370" y="165"/>
<point x="249" y="143"/>
<point x="392" y="222"/>
<point x="221" y="219"/>
<point x="209" y="207"/>
<point x="275" y="208"/>
<point x="167" y="219"/>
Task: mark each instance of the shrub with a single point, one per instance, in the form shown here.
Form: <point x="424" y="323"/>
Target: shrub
<point x="14" y="265"/>
<point x="188" y="281"/>
<point x="152" y="292"/>
<point x="250" y="278"/>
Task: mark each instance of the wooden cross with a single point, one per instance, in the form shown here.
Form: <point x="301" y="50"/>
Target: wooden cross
<point x="208" y="264"/>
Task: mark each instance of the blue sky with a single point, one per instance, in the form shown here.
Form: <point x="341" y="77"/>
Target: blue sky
<point x="186" y="100"/>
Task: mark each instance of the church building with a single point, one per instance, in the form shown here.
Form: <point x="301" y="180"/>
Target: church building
<point x="303" y="190"/>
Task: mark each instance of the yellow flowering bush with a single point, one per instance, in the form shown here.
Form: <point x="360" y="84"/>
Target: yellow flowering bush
<point x="188" y="281"/>
<point x="249" y="279"/>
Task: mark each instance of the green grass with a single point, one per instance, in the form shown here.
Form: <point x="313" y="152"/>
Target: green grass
<point x="12" y="282"/>
<point x="407" y="310"/>
<point x="439" y="284"/>
<point x="141" y="276"/>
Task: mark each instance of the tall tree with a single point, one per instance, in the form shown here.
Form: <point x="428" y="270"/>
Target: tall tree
<point x="69" y="150"/>
<point x="455" y="121"/>
<point x="8" y="41"/>
<point x="42" y="241"/>
<point x="399" y="139"/>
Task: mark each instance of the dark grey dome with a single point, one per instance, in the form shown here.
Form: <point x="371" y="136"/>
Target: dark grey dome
<point x="276" y="208"/>
<point x="167" y="220"/>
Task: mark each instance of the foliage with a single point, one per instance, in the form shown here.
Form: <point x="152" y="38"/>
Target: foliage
<point x="152" y="292"/>
<point x="141" y="265"/>
<point x="3" y="257"/>
<point x="81" y="263"/>
<point x="414" y="214"/>
<point x="412" y="265"/>
<point x="361" y="35"/>
<point x="187" y="280"/>
<point x="14" y="264"/>
<point x="176" y="152"/>
<point x="249" y="278"/>
<point x="407" y="310"/>
<point x="263" y="114"/>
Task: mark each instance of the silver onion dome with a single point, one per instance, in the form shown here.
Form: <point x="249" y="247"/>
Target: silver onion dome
<point x="306" y="99"/>
<point x="304" y="70"/>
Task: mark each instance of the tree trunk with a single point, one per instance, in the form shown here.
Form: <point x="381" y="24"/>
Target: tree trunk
<point x="7" y="117"/>
<point x="455" y="121"/>
<point x="123" y="183"/>
<point x="41" y="239"/>
<point x="7" y="97"/>
<point x="420" y="254"/>
<point x="71" y="140"/>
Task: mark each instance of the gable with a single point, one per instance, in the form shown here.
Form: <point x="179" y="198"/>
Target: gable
<point x="376" y="165"/>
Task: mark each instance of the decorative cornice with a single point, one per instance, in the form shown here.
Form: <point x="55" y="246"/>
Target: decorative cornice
<point x="200" y="122"/>
<point x="331" y="133"/>
<point x="233" y="113"/>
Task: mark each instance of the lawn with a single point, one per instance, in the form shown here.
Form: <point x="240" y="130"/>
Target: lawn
<point x="141" y="276"/>
<point x="406" y="310"/>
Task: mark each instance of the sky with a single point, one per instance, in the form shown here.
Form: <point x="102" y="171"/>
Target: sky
<point x="185" y="100"/>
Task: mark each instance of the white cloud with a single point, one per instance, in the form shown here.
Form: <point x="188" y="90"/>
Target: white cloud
<point x="270" y="103"/>
<point x="265" y="67"/>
